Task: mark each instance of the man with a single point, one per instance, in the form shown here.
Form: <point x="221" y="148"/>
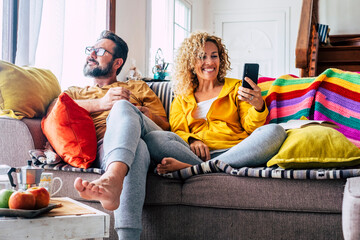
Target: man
<point x="122" y="113"/>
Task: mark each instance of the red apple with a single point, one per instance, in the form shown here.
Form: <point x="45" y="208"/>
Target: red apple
<point x="42" y="196"/>
<point x="22" y="200"/>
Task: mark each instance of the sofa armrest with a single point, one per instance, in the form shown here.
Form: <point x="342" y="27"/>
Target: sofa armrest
<point x="16" y="139"/>
<point x="351" y="209"/>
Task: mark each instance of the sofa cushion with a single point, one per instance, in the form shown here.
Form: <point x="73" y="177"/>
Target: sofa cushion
<point x="71" y="132"/>
<point x="224" y="191"/>
<point x="26" y="91"/>
<point x="316" y="147"/>
<point x="162" y="190"/>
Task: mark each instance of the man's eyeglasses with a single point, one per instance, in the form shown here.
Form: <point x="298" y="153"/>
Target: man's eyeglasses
<point x="98" y="51"/>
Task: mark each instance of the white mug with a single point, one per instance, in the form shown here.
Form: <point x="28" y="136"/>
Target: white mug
<point x="47" y="181"/>
<point x="4" y="182"/>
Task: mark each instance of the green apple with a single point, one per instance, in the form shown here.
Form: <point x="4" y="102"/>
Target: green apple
<point x="4" y="197"/>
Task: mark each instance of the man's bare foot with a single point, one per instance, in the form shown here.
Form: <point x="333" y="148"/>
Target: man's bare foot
<point x="107" y="189"/>
<point x="170" y="165"/>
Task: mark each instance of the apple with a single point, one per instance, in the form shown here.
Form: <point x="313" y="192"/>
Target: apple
<point x="22" y="200"/>
<point x="42" y="196"/>
<point x="4" y="197"/>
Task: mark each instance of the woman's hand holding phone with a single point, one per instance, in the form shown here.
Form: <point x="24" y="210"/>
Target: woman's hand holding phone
<point x="252" y="96"/>
<point x="249" y="91"/>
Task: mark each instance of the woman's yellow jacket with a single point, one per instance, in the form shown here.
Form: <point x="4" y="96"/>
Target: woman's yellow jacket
<point x="229" y="120"/>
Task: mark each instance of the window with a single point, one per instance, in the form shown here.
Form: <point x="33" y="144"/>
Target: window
<point x="57" y="33"/>
<point x="170" y="25"/>
<point x="182" y="18"/>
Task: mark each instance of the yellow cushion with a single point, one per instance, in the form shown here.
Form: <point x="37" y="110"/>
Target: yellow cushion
<point x="26" y="91"/>
<point x="316" y="147"/>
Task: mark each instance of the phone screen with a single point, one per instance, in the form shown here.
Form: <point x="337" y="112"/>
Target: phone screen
<point x="251" y="70"/>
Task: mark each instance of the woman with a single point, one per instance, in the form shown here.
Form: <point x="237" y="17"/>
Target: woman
<point x="213" y="117"/>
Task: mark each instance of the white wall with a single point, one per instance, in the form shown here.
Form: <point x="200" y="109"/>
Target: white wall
<point x="342" y="16"/>
<point x="199" y="15"/>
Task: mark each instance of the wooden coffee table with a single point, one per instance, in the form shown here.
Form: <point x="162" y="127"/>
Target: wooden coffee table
<point x="74" y="220"/>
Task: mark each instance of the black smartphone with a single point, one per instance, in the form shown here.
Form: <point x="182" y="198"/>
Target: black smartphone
<point x="251" y="70"/>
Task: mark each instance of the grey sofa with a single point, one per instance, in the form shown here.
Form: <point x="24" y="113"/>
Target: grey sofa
<point x="351" y="209"/>
<point x="208" y="206"/>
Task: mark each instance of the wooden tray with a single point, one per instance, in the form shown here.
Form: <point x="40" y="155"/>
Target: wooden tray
<point x="26" y="213"/>
<point x="68" y="207"/>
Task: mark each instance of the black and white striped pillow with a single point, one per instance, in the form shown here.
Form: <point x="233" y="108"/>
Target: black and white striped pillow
<point x="164" y="91"/>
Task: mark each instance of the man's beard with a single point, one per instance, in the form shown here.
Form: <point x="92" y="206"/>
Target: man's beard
<point x="97" y="71"/>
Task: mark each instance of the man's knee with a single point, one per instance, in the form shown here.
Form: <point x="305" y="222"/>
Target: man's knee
<point x="123" y="108"/>
<point x="122" y="104"/>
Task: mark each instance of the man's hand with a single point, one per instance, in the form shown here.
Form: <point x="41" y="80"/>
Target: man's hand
<point x="106" y="102"/>
<point x="200" y="149"/>
<point x="160" y="121"/>
<point x="145" y="111"/>
<point x="114" y="94"/>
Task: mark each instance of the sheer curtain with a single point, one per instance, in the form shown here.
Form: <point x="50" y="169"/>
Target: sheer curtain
<point x="67" y="27"/>
<point x="8" y="32"/>
<point x="51" y="34"/>
<point x="28" y="31"/>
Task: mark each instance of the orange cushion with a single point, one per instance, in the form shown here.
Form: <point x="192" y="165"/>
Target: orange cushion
<point x="71" y="132"/>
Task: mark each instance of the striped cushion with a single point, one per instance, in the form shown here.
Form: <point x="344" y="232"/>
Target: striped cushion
<point x="164" y="92"/>
<point x="218" y="166"/>
<point x="63" y="166"/>
<point x="48" y="159"/>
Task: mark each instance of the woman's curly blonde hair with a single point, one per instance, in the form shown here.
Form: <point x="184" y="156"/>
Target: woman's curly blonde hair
<point x="185" y="80"/>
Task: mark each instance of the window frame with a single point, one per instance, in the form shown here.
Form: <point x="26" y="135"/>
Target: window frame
<point x="189" y="6"/>
<point x="111" y="15"/>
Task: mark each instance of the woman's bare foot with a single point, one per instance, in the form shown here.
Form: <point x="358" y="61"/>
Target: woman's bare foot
<point x="107" y="189"/>
<point x="170" y="165"/>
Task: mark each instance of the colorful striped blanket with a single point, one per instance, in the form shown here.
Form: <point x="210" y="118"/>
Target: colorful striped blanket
<point x="332" y="96"/>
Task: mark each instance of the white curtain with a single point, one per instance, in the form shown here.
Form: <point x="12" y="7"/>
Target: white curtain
<point x="28" y="31"/>
<point x="67" y="27"/>
<point x="7" y="15"/>
<point x="50" y="51"/>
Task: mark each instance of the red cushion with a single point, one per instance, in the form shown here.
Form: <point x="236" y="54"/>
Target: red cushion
<point x="71" y="132"/>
